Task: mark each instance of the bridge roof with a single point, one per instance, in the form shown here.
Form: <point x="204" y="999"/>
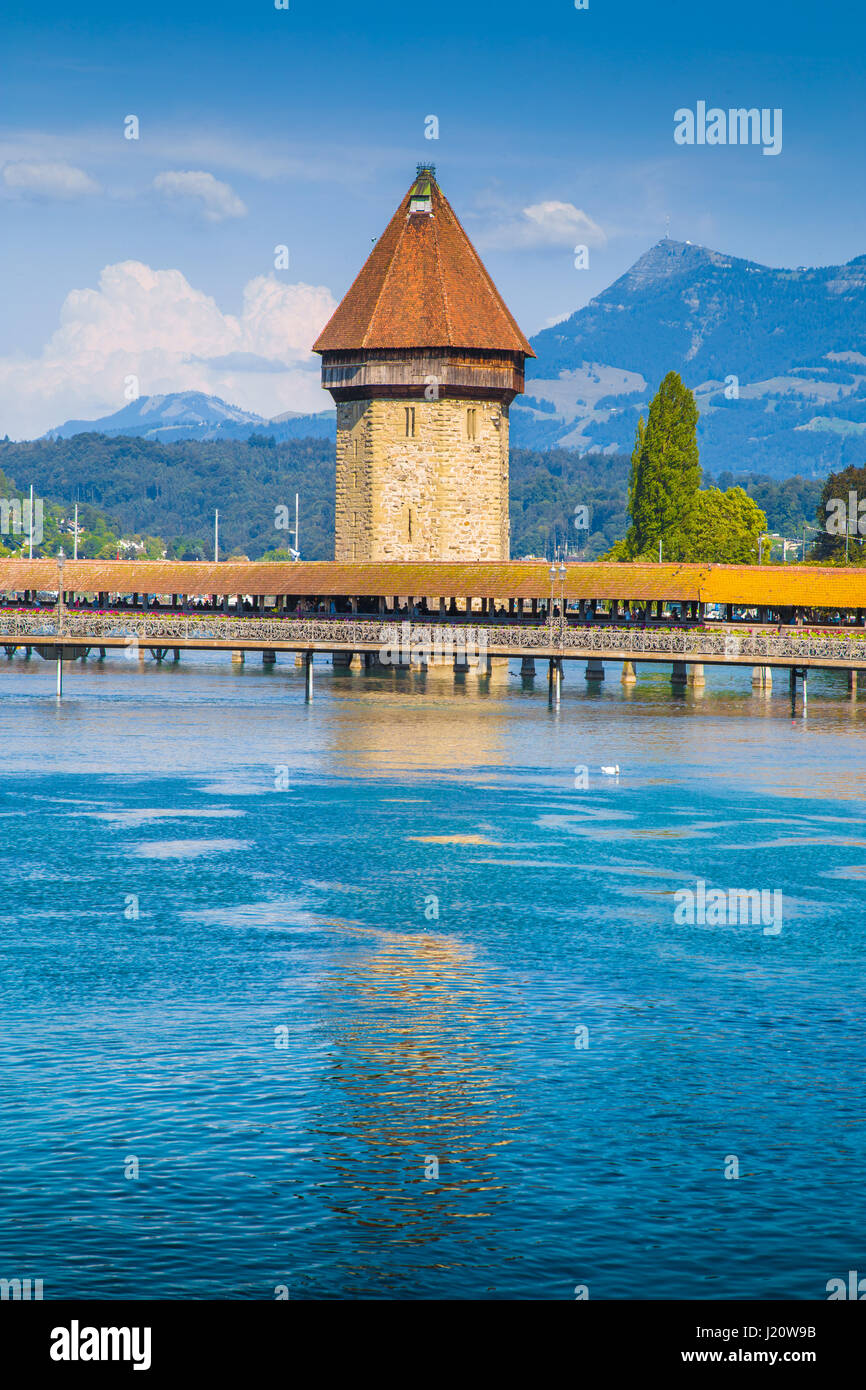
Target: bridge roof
<point x="808" y="586"/>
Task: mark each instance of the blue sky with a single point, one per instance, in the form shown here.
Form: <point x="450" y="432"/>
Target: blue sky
<point x="260" y="127"/>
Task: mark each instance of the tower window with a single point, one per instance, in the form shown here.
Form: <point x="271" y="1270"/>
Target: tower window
<point x="410" y="523"/>
<point x="471" y="423"/>
<point x="410" y="422"/>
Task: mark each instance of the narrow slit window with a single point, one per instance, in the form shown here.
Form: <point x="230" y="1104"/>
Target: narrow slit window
<point x="471" y="423"/>
<point x="410" y="422"/>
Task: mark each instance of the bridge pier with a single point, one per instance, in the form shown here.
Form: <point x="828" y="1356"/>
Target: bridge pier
<point x="237" y="658"/>
<point x="527" y="667"/>
<point x="628" y="676"/>
<point x="695" y="677"/>
<point x="269" y="657"/>
<point x="308" y="677"/>
<point x="679" y="673"/>
<point x="762" y="678"/>
<point x="9" y="650"/>
<point x="554" y="679"/>
<point x="792" y="680"/>
<point x="852" y="682"/>
<point x="175" y="653"/>
<point x="595" y="669"/>
<point x="341" y="660"/>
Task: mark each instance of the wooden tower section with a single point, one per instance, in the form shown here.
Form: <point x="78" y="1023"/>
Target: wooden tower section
<point x="423" y="360"/>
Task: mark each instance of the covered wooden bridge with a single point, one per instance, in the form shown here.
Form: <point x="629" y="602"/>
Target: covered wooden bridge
<point x="764" y="616"/>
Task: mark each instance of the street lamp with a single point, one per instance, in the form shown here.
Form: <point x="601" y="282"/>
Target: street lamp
<point x="557" y="573"/>
<point x="550" y="612"/>
<point x="562" y="577"/>
<point x="61" y="561"/>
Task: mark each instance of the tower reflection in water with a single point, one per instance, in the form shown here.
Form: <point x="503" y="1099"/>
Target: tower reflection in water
<point x="419" y="1107"/>
<point x="416" y="721"/>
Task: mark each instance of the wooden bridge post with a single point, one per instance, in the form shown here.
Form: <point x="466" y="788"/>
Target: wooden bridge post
<point x="308" y="677"/>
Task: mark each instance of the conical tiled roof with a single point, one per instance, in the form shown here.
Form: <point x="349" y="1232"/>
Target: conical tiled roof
<point x="423" y="286"/>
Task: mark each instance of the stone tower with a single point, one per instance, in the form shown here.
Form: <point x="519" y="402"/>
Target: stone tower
<point x="423" y="361"/>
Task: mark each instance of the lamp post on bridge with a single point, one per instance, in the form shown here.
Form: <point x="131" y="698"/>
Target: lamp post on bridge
<point x="61" y="561"/>
<point x="61" y="611"/>
<point x="556" y="662"/>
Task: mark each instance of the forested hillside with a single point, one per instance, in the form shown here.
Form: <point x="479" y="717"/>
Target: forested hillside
<point x="144" y="488"/>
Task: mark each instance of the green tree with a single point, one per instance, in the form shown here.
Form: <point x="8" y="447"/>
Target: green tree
<point x="636" y="453"/>
<point x="837" y="513"/>
<point x="666" y="471"/>
<point x="723" y="527"/>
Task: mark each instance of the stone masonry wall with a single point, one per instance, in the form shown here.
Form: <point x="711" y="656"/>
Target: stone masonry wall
<point x="437" y="495"/>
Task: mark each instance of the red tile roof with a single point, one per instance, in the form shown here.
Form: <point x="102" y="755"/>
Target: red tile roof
<point x="423" y="286"/>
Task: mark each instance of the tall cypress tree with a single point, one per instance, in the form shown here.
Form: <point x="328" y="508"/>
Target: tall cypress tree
<point x="666" y="471"/>
<point x="635" y="463"/>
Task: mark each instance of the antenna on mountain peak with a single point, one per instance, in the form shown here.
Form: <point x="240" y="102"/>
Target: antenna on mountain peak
<point x="668" y="226"/>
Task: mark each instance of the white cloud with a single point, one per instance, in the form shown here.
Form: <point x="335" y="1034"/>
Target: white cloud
<point x="154" y="325"/>
<point x="215" y="200"/>
<point x="544" y="224"/>
<point x="48" y="179"/>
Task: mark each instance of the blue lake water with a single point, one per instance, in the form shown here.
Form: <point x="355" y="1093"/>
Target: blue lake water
<point x="333" y="1024"/>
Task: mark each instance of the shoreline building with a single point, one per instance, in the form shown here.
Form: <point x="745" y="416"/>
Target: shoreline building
<point x="423" y="360"/>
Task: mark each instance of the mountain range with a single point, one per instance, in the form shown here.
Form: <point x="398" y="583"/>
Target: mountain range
<point x="195" y="415"/>
<point x="776" y="359"/>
